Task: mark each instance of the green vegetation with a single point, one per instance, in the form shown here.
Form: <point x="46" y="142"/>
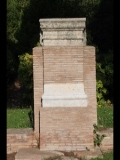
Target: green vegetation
<point x="97" y="137"/>
<point x="104" y="77"/>
<point x="23" y="34"/>
<point x="106" y="156"/>
<point x="105" y="116"/>
<point x="25" y="75"/>
<point x="19" y="118"/>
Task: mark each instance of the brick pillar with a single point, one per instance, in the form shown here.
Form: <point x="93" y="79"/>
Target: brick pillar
<point x="69" y="128"/>
<point x="38" y="84"/>
<point x="89" y="74"/>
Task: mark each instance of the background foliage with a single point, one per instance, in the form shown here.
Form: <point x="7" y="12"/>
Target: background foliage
<point x="25" y="75"/>
<point x="23" y="34"/>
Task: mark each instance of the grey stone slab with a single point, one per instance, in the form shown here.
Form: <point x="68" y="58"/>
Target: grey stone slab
<point x="63" y="32"/>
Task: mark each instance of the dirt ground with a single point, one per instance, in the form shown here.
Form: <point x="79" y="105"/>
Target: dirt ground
<point x="11" y="156"/>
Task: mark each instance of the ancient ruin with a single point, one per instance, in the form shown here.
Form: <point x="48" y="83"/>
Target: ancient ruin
<point x="64" y="72"/>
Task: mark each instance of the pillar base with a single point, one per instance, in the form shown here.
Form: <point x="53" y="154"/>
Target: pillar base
<point x="64" y="95"/>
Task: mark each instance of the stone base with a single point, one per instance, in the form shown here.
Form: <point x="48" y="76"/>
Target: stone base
<point x="64" y="95"/>
<point x="66" y="128"/>
<point x="64" y="101"/>
<point x="36" y="154"/>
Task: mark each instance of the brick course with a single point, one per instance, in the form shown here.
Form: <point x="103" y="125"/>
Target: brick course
<point x="20" y="138"/>
<point x="25" y="138"/>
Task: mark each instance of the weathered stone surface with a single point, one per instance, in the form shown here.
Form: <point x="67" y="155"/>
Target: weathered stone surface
<point x="33" y="154"/>
<point x="64" y="95"/>
<point x="36" y="154"/>
<point x="63" y="32"/>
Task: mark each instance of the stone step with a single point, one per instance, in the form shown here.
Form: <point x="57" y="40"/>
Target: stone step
<point x="36" y="154"/>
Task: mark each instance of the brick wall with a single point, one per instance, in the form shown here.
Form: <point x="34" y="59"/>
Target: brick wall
<point x="38" y="84"/>
<point x="25" y="138"/>
<point x="63" y="64"/>
<point x="107" y="143"/>
<point x="20" y="138"/>
<point x="89" y="75"/>
<point x="66" y="128"/>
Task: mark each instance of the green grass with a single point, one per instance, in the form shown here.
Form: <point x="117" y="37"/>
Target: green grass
<point x="105" y="116"/>
<point x="18" y="118"/>
<point x="106" y="156"/>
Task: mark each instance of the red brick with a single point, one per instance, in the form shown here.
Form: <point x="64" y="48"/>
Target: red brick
<point x="65" y="128"/>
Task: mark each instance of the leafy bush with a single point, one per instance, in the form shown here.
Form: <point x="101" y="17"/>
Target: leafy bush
<point x="11" y="67"/>
<point x="100" y="93"/>
<point x="104" y="76"/>
<point x="25" y="75"/>
<point x="97" y="137"/>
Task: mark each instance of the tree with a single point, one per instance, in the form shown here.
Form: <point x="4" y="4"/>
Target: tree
<point x="14" y="20"/>
<point x="102" y="26"/>
<point x="23" y="29"/>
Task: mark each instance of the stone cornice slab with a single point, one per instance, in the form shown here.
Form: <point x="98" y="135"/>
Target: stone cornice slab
<point x="63" y="32"/>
